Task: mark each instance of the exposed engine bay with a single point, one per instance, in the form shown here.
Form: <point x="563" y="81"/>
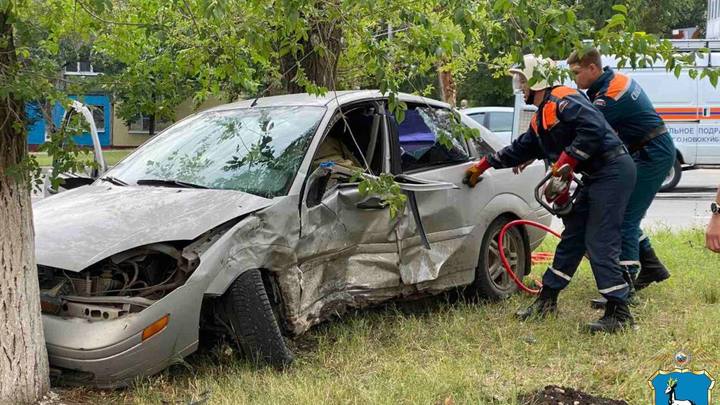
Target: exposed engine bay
<point x="122" y="284"/>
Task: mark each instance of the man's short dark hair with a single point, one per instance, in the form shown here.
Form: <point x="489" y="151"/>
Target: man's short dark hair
<point x="589" y="57"/>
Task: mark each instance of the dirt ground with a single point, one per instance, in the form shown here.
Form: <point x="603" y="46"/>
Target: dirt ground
<point x="554" y="395"/>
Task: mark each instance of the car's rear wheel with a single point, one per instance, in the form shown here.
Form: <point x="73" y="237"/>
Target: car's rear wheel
<point x="673" y="177"/>
<point x="255" y="328"/>
<point x="491" y="280"/>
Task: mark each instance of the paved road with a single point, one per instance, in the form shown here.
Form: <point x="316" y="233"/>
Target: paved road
<point x="687" y="206"/>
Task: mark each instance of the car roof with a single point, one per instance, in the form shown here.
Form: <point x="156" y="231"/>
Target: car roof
<point x="331" y="97"/>
<point x="475" y="110"/>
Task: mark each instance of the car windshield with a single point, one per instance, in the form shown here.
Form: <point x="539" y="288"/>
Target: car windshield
<point x="255" y="150"/>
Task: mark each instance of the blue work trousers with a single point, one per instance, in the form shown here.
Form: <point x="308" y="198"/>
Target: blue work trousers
<point x="594" y="226"/>
<point x="653" y="163"/>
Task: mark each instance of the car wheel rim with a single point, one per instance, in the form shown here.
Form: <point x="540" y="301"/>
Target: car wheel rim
<point x="669" y="177"/>
<point x="512" y="247"/>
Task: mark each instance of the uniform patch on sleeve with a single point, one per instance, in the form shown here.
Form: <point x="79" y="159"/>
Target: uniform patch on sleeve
<point x="562" y="105"/>
<point x="599" y="102"/>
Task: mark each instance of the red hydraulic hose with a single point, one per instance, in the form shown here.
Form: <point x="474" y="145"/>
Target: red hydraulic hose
<point x="504" y="260"/>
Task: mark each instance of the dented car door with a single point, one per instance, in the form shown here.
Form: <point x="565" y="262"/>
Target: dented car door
<point x="447" y="215"/>
<point x="348" y="249"/>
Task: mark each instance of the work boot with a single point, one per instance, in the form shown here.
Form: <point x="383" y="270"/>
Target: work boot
<point x="599" y="303"/>
<point x="652" y="270"/>
<point x="544" y="305"/>
<point x="617" y="317"/>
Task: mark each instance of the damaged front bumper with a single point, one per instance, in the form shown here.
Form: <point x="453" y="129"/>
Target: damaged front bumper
<point x="111" y="353"/>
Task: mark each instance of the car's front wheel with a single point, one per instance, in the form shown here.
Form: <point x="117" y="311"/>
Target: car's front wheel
<point x="491" y="280"/>
<point x="249" y="314"/>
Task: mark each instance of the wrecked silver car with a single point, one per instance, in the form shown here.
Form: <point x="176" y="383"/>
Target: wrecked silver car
<point x="247" y="219"/>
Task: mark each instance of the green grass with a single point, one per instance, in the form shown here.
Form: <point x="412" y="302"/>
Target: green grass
<point x="111" y="156"/>
<point x="472" y="353"/>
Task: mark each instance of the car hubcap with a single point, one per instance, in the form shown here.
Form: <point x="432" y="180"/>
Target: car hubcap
<point x="511" y="247"/>
<point x="669" y="177"/>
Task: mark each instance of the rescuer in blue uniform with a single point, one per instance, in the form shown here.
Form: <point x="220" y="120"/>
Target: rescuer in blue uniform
<point x="631" y="113"/>
<point x="573" y="134"/>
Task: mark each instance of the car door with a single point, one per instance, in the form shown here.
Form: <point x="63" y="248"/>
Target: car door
<point x="348" y="249"/>
<point x="71" y="180"/>
<point x="433" y="246"/>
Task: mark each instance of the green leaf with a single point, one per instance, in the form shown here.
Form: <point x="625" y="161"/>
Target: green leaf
<point x="400" y="115"/>
<point x="621" y="8"/>
<point x="570" y="16"/>
<point x="501" y="6"/>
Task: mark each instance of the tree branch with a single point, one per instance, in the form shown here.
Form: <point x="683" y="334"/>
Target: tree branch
<point x="192" y="16"/>
<point x="97" y="17"/>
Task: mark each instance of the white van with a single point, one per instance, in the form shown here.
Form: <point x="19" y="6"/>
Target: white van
<point x="689" y="107"/>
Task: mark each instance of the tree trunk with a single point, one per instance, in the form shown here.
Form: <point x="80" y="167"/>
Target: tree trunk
<point x="23" y="357"/>
<point x="319" y="67"/>
<point x="447" y="87"/>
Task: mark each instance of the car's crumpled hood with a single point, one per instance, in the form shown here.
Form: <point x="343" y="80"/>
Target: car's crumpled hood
<point x="77" y="228"/>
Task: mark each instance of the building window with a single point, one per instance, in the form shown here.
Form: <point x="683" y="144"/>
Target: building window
<point x="80" y="68"/>
<point x="142" y="125"/>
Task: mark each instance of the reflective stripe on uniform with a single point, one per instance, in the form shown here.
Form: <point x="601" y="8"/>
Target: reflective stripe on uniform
<point x="549" y="115"/>
<point x="613" y="288"/>
<point x="562" y="91"/>
<point x="618" y="86"/>
<point x="560" y="274"/>
<point x="579" y="153"/>
<point x="642" y="237"/>
<point x="629" y="262"/>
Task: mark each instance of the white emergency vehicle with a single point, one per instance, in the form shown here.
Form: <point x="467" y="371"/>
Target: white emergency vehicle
<point x="690" y="107"/>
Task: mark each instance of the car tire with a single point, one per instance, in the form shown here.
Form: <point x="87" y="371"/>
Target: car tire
<point x="673" y="177"/>
<point x="491" y="280"/>
<point x="255" y="327"/>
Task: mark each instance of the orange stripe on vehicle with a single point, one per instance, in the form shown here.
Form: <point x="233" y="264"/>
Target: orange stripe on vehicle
<point x="688" y="113"/>
<point x="679" y="113"/>
<point x="563" y="91"/>
<point x="618" y="85"/>
<point x="679" y="118"/>
<point x="677" y="109"/>
<point x="550" y="117"/>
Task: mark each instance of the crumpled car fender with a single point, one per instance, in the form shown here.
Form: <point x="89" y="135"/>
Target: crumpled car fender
<point x="266" y="239"/>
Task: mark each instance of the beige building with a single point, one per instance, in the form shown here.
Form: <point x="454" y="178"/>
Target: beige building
<point x="124" y="136"/>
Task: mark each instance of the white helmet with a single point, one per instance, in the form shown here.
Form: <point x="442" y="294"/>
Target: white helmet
<point x="532" y="63"/>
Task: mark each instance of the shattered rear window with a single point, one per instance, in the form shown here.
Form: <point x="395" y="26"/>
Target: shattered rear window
<point x="255" y="150"/>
